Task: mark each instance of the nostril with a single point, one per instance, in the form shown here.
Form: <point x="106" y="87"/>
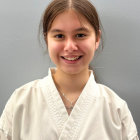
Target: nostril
<point x="71" y="47"/>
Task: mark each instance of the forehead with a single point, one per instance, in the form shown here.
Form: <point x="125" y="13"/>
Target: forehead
<point x="70" y="20"/>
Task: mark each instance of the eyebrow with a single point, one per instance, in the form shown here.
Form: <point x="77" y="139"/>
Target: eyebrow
<point x="78" y="29"/>
<point x="82" y="29"/>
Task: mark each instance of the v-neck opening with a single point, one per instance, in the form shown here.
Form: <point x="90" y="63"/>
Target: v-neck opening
<point x="57" y="107"/>
<point x="60" y="100"/>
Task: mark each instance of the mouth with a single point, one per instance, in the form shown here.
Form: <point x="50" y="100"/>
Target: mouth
<point x="71" y="58"/>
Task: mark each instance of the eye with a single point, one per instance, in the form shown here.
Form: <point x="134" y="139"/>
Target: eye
<point x="59" y="36"/>
<point x="80" y="35"/>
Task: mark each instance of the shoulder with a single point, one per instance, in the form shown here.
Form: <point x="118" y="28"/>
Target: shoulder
<point x="113" y="102"/>
<point x="118" y="109"/>
<point x="32" y="87"/>
<point x="28" y="92"/>
<point x="32" y="84"/>
<point x="111" y="97"/>
<point x="28" y="86"/>
<point x="107" y="92"/>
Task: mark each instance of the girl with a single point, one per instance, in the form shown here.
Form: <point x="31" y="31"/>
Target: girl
<point x="68" y="104"/>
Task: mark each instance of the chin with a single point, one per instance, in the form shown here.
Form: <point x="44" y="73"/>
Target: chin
<point x="72" y="71"/>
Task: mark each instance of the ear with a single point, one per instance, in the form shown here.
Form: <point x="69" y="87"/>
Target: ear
<point x="98" y="38"/>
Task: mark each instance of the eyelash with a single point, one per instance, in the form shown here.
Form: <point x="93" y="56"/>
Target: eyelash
<point x="80" y="35"/>
<point x="60" y="36"/>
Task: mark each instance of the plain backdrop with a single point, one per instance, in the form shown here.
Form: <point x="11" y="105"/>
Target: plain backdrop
<point x="22" y="58"/>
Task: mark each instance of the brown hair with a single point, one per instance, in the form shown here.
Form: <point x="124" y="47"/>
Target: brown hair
<point x="83" y="7"/>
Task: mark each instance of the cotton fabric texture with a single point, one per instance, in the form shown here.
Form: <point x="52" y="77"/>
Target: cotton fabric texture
<point x="36" y="111"/>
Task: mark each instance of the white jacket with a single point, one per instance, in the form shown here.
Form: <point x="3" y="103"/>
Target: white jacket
<point x="36" y="111"/>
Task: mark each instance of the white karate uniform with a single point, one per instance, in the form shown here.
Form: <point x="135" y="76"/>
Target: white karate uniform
<point x="36" y="111"/>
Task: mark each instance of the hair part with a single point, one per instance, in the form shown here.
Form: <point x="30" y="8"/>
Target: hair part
<point x="81" y="7"/>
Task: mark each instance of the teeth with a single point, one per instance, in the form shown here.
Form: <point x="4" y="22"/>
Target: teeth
<point x="72" y="58"/>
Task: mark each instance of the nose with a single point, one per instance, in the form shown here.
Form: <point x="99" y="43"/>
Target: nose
<point x="70" y="45"/>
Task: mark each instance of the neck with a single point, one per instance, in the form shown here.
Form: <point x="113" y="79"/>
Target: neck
<point x="70" y="83"/>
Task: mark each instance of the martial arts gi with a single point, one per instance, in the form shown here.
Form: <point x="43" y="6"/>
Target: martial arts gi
<point x="36" y="111"/>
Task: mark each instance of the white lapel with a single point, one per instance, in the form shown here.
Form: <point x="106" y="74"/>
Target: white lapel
<point x="72" y="125"/>
<point x="55" y="103"/>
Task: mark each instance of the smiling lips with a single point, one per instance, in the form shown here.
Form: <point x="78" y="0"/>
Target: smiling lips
<point x="74" y="58"/>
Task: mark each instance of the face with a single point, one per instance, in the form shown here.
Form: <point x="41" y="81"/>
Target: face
<point x="71" y="42"/>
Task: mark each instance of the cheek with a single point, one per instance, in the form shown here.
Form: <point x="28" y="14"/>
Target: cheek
<point x="54" y="48"/>
<point x="88" y="46"/>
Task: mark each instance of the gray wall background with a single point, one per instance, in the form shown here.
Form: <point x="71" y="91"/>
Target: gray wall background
<point x="118" y="66"/>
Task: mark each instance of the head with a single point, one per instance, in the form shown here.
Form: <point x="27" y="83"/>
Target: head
<point x="83" y="10"/>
